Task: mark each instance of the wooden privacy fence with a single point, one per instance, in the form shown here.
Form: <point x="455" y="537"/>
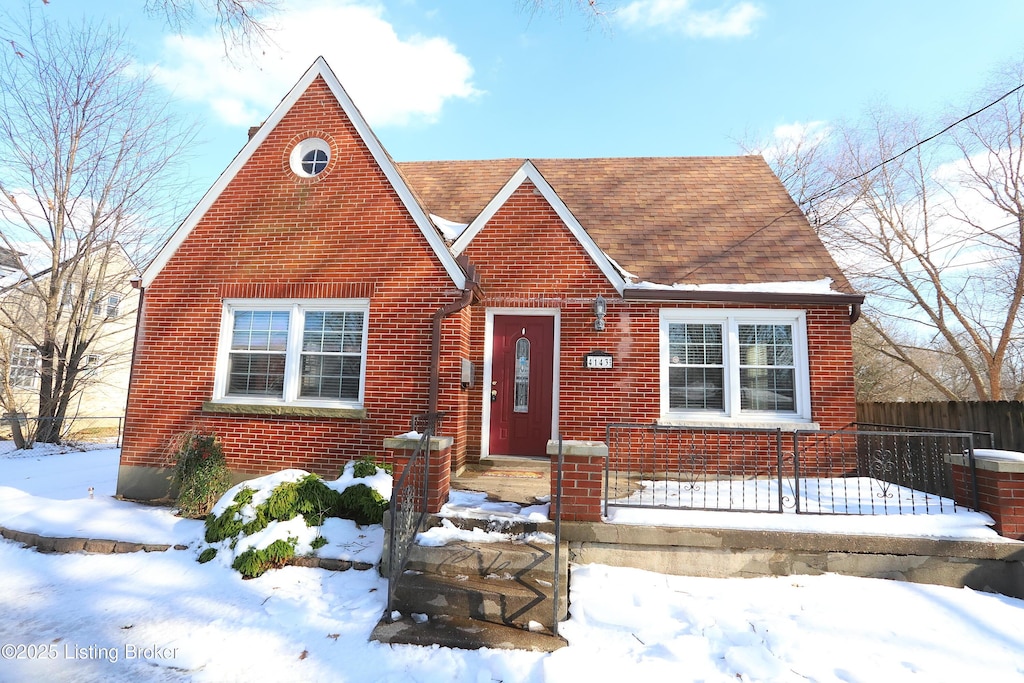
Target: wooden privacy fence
<point x="1005" y="419"/>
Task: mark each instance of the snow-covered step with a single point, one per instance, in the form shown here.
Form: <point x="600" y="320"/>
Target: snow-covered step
<point x="524" y="602"/>
<point x="506" y="559"/>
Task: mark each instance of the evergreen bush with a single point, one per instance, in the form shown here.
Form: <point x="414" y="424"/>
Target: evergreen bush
<point x="310" y="497"/>
<point x="200" y="472"/>
<point x="363" y="504"/>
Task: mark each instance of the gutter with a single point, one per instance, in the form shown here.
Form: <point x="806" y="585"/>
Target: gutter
<point x="854" y="301"/>
<point x="469" y="295"/>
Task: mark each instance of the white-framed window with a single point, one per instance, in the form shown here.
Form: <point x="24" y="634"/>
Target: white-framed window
<point x="734" y="364"/>
<point x="24" y="369"/>
<point x="309" y="157"/>
<point x="107" y="306"/>
<point x="306" y="352"/>
<point x="91" y="364"/>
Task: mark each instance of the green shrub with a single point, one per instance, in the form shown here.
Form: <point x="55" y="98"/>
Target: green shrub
<point x="253" y="563"/>
<point x="362" y="504"/>
<point x="229" y="522"/>
<point x="367" y="467"/>
<point x="309" y="497"/>
<point x="200" y="472"/>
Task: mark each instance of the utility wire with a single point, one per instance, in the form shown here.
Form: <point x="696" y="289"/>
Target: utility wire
<point x="912" y="147"/>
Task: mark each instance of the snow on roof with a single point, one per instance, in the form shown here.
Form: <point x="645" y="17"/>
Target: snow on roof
<point x="822" y="286"/>
<point x="450" y="230"/>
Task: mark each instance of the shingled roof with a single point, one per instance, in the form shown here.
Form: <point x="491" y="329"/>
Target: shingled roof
<point x="665" y="220"/>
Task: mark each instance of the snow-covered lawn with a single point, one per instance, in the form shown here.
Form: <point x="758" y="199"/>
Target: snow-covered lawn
<point x="164" y="617"/>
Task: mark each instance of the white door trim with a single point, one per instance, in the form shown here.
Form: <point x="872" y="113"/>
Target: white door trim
<point x="485" y="430"/>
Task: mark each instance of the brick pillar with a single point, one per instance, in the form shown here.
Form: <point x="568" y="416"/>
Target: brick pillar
<point x="1000" y="476"/>
<point x="402" y="448"/>
<point x="582" y="479"/>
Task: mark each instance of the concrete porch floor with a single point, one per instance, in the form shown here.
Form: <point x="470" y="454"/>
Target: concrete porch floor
<point x="513" y="479"/>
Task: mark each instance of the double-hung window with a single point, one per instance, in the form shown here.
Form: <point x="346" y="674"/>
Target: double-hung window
<point x="24" y="368"/>
<point x="307" y="352"/>
<point x="732" y="365"/>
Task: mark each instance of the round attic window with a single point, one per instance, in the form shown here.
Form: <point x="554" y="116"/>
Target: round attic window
<point x="309" y="158"/>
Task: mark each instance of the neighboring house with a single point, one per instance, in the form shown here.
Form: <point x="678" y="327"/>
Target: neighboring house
<point x="293" y="312"/>
<point x="105" y="309"/>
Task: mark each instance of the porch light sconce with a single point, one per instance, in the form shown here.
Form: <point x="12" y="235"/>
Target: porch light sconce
<point x="599" y="309"/>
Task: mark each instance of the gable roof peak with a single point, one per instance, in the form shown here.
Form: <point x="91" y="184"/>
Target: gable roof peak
<point x="318" y="69"/>
<point x="528" y="172"/>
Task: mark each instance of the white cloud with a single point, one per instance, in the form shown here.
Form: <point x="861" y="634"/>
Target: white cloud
<point x="393" y="80"/>
<point x="733" y="21"/>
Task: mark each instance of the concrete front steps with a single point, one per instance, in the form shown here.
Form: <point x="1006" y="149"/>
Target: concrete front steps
<point x="479" y="594"/>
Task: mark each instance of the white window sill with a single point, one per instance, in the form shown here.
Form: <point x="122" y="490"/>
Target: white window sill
<point x="786" y="425"/>
<point x="284" y="410"/>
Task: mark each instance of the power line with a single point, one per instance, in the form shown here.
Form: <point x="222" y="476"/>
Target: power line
<point x="912" y="147"/>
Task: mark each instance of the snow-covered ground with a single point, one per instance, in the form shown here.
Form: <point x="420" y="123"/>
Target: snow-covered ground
<point x="164" y="617"/>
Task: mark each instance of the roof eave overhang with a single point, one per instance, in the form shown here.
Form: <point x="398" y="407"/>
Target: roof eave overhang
<point x="739" y="297"/>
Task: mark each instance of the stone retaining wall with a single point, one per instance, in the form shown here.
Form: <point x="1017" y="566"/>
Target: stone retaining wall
<point x="723" y="553"/>
<point x="48" y="544"/>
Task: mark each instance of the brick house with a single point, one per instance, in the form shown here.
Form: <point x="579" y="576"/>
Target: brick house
<point x="321" y="295"/>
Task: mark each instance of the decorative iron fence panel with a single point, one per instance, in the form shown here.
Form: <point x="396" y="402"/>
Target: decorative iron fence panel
<point x="846" y="472"/>
<point x="694" y="468"/>
<point x="876" y="472"/>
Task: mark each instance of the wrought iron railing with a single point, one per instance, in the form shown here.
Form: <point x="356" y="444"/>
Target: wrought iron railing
<point x="858" y="472"/>
<point x="850" y="472"/>
<point x="694" y="468"/>
<point x="555" y="511"/>
<point x="408" y="506"/>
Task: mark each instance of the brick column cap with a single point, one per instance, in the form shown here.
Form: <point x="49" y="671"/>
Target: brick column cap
<point x="570" y="447"/>
<point x="411" y="441"/>
<point x="990" y="460"/>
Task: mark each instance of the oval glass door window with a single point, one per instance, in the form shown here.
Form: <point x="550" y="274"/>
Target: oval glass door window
<point x="521" y="398"/>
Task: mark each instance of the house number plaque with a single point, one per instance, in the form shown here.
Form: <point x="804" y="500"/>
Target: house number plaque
<point x="597" y="360"/>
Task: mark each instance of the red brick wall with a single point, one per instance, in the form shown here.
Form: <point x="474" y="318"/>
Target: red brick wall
<point x="527" y="258"/>
<point x="271" y="234"/>
<point x="1000" y="494"/>
<point x="346" y="234"/>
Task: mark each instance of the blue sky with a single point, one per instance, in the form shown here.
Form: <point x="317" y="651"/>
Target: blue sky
<point x="464" y="79"/>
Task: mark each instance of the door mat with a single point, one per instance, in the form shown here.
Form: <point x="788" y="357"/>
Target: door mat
<point x="513" y="474"/>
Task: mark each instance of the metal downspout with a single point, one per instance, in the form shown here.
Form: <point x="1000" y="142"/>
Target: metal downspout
<point x="469" y="295"/>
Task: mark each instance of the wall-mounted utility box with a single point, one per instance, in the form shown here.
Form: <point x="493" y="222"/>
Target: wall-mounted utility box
<point x="468" y="372"/>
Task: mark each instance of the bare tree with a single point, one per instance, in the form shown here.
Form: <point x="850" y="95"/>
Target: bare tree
<point x="803" y="156"/>
<point x="933" y="234"/>
<point x="241" y="22"/>
<point x="87" y="154"/>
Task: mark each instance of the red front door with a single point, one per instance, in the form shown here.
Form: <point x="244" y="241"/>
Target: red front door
<point x="521" y="379"/>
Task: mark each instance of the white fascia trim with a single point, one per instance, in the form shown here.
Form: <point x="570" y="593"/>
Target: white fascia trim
<point x="529" y="172"/>
<point x="318" y="68"/>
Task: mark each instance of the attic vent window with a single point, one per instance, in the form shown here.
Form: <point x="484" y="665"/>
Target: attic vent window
<point x="314" y="162"/>
<point x="309" y="157"/>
